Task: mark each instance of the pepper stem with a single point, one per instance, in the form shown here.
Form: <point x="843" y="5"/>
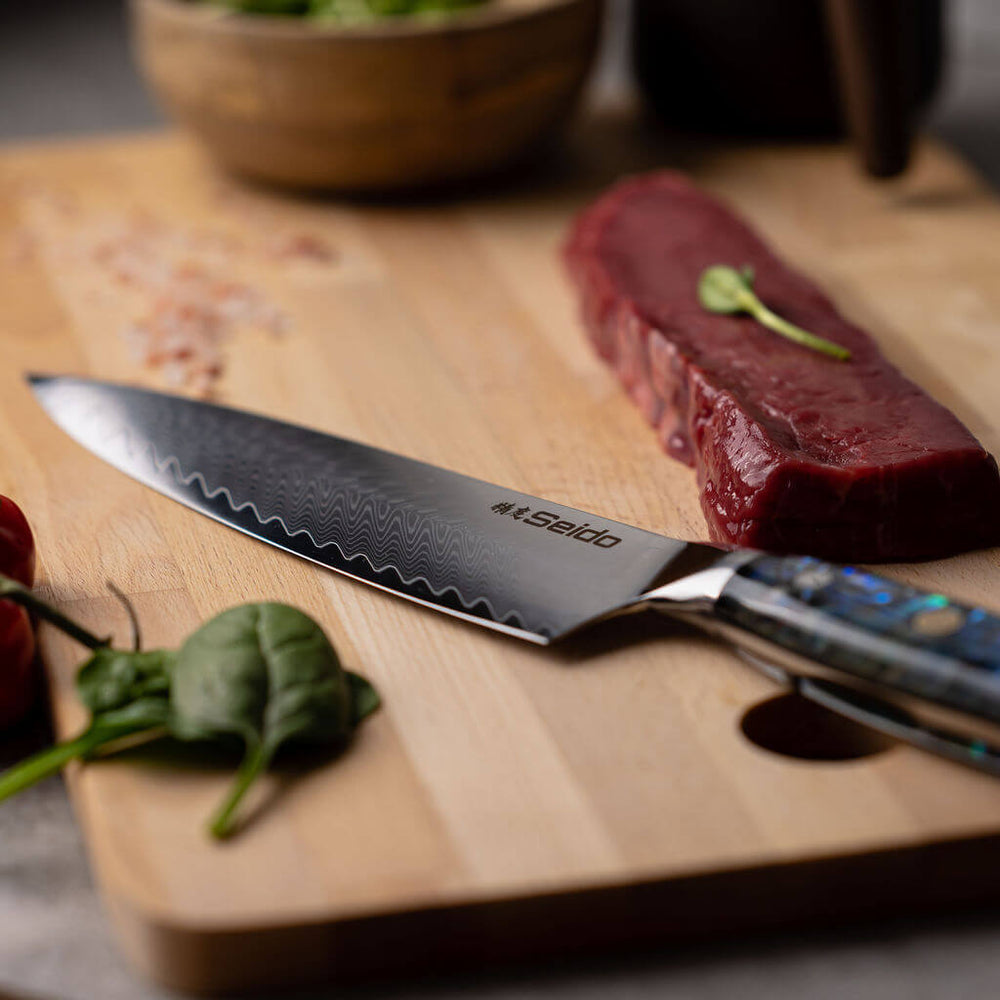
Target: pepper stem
<point x="133" y="618"/>
<point x="11" y="590"/>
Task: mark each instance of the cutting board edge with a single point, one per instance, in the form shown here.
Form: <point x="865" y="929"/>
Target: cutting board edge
<point x="528" y="927"/>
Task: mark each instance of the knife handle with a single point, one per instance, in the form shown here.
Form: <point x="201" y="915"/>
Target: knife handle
<point x="876" y="629"/>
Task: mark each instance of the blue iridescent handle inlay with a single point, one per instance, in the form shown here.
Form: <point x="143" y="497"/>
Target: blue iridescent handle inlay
<point x="921" y="643"/>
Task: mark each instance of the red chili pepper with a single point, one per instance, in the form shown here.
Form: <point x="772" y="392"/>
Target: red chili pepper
<point x="17" y="547"/>
<point x="17" y="641"/>
<point x="17" y="661"/>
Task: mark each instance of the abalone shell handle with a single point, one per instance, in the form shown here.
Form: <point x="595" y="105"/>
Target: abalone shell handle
<point x="920" y="643"/>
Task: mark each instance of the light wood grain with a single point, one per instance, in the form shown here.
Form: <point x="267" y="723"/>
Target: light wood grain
<point x="498" y="777"/>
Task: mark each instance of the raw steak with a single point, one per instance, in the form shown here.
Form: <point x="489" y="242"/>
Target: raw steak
<point x="794" y="451"/>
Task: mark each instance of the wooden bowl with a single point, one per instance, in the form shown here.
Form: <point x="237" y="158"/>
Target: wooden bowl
<point x="399" y="104"/>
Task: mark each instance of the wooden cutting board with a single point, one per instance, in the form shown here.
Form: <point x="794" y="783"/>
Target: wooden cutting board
<point x="506" y="800"/>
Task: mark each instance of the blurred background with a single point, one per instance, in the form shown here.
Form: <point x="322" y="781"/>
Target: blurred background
<point x="65" y="67"/>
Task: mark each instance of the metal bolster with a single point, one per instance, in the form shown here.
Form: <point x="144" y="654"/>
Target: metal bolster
<point x="698" y="591"/>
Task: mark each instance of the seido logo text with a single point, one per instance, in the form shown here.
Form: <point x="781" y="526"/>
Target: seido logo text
<point x="552" y="522"/>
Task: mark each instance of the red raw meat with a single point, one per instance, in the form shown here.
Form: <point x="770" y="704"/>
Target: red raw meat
<point x="794" y="451"/>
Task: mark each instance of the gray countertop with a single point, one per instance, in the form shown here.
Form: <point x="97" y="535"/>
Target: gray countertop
<point x="64" y="68"/>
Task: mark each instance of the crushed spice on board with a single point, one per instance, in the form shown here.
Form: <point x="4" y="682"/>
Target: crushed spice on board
<point x="189" y="290"/>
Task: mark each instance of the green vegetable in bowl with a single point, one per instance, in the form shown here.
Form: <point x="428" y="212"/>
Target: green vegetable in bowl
<point x="282" y="7"/>
<point x="347" y="11"/>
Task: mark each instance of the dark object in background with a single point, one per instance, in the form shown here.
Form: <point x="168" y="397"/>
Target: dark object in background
<point x="793" y="68"/>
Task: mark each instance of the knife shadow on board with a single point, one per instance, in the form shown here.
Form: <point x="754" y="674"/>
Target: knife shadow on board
<point x="614" y="635"/>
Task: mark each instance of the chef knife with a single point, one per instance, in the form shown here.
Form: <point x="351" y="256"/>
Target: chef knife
<point x="518" y="563"/>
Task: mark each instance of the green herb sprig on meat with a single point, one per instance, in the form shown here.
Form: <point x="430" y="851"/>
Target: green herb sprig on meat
<point x="724" y="289"/>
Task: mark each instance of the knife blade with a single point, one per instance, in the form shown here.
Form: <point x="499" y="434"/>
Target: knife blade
<point x="518" y="563"/>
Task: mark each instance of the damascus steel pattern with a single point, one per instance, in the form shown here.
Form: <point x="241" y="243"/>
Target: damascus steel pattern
<point x="431" y="535"/>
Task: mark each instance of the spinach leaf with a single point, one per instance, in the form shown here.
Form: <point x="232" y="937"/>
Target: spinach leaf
<point x="263" y="673"/>
<point x="111" y="678"/>
<point x="364" y="698"/>
<point x="127" y="694"/>
<point x="267" y="674"/>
